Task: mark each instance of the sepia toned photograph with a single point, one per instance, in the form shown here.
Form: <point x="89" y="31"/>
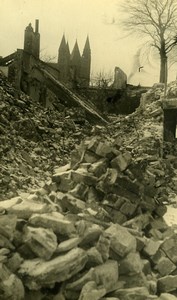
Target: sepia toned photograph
<point x="88" y="149"/>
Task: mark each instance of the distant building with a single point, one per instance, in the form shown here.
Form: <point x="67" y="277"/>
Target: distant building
<point x="32" y="40"/>
<point x="74" y="68"/>
<point x="120" y="79"/>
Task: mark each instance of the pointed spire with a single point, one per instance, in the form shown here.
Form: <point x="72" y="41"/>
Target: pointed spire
<point x="62" y="50"/>
<point x="87" y="50"/>
<point x="67" y="48"/>
<point x="75" y="55"/>
<point x="63" y="43"/>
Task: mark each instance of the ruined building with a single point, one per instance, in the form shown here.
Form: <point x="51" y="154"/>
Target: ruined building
<point x="74" y="68"/>
<point x="50" y="83"/>
<point x="67" y="80"/>
<point x="32" y="40"/>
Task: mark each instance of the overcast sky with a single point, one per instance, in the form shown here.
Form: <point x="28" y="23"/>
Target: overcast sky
<point x="77" y="19"/>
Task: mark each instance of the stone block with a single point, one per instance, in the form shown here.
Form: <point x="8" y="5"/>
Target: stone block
<point x="68" y="245"/>
<point x="109" y="178"/>
<point x="167" y="284"/>
<point x="169" y="246"/>
<point x="159" y="224"/>
<point x="122" y="161"/>
<point x="91" y="291"/>
<point x="62" y="169"/>
<point x="107" y="275"/>
<point x="139" y="222"/>
<point x="140" y="241"/>
<point x="103" y="245"/>
<point x="78" y="284"/>
<point x="89" y="234"/>
<point x="6" y="243"/>
<point x="65" y="185"/>
<point x="156" y="234"/>
<point x="165" y="266"/>
<point x="94" y="195"/>
<point x="93" y="144"/>
<point x="42" y="242"/>
<point x="160" y="210"/>
<point x="63" y="180"/>
<point x="94" y="257"/>
<point x="99" y="167"/>
<point x="105" y="149"/>
<point x="131" y="264"/>
<point x="14" y="262"/>
<point x="109" y="298"/>
<point x="4" y="253"/>
<point x="122" y="242"/>
<point x="128" y="208"/>
<point x="72" y="204"/>
<point x="60" y="175"/>
<point x="146" y="266"/>
<point x="80" y="175"/>
<point x="90" y="157"/>
<point x="38" y="273"/>
<point x="25" y="209"/>
<point x="8" y="225"/>
<point x="7" y="204"/>
<point x="157" y="257"/>
<point x="130" y="185"/>
<point x="116" y="216"/>
<point x="167" y="296"/>
<point x="77" y="156"/>
<point x="80" y="191"/>
<point x="55" y="221"/>
<point x="135" y="280"/>
<point x="136" y="293"/>
<point x="151" y="247"/>
<point x="11" y="286"/>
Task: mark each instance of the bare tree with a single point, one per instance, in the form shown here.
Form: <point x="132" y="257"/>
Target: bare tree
<point x="102" y="79"/>
<point x="156" y="20"/>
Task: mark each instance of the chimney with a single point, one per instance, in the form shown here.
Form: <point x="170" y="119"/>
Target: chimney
<point x="36" y="26"/>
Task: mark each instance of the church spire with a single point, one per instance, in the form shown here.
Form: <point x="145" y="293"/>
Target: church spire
<point x="87" y="50"/>
<point x="86" y="64"/>
<point x="63" y="43"/>
<point x="63" y="59"/>
<point x="75" y="55"/>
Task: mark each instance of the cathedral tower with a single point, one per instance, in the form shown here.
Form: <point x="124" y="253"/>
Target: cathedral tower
<point x="74" y="68"/>
<point x="64" y="59"/>
<point x="75" y="65"/>
<point x="86" y="64"/>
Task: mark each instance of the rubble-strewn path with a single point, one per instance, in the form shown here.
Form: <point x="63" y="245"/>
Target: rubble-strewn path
<point x="85" y="222"/>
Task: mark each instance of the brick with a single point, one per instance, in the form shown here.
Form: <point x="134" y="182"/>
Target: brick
<point x="169" y="246"/>
<point x="42" y="242"/>
<point x="165" y="266"/>
<point x="167" y="284"/>
<point x="122" y="242"/>
<point x="138" y="293"/>
<point x="38" y="273"/>
<point x="56" y="221"/>
<point x="151" y="248"/>
<point x="80" y="175"/>
<point x="99" y="167"/>
<point x="122" y="161"/>
<point x="131" y="264"/>
<point x="104" y="149"/>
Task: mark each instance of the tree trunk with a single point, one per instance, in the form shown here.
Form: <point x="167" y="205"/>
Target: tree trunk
<point x="163" y="67"/>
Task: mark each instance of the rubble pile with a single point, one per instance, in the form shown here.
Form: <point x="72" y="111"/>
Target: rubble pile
<point x="56" y="246"/>
<point x="94" y="229"/>
<point x="33" y="139"/>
